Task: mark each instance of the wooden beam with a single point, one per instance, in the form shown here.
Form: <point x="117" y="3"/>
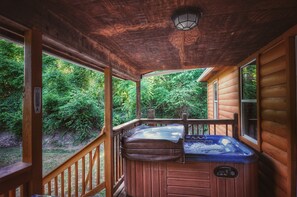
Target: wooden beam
<point x="32" y="112"/>
<point x="138" y="100"/>
<point x="108" y="145"/>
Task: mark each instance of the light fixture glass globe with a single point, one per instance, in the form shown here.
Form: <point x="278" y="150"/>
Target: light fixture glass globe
<point x="186" y="18"/>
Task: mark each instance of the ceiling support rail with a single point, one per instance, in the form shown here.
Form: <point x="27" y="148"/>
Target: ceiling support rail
<point x="138" y="100"/>
<point x="108" y="145"/>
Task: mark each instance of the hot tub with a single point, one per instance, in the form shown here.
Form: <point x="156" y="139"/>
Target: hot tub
<point x="213" y="166"/>
<point x="216" y="148"/>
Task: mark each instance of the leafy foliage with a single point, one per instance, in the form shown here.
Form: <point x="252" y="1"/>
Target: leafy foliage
<point x="73" y="97"/>
<point x="11" y="86"/>
<point x="172" y="95"/>
<point x="249" y="81"/>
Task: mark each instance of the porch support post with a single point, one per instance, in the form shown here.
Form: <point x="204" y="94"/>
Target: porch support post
<point x="138" y="100"/>
<point x="32" y="112"/>
<point x="108" y="145"/>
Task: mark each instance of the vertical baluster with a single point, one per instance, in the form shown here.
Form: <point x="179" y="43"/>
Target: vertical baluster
<point x="62" y="184"/>
<point x="215" y="129"/>
<point x="83" y="175"/>
<point x="12" y="193"/>
<point x="121" y="162"/>
<point x="76" y="178"/>
<point x="208" y="129"/>
<point x="114" y="160"/>
<point x="49" y="187"/>
<point x="69" y="181"/>
<point x="118" y="158"/>
<point x="56" y="186"/>
<point x="43" y="189"/>
<point x="98" y="165"/>
<point x="24" y="190"/>
<point x="90" y="170"/>
<point x="227" y="133"/>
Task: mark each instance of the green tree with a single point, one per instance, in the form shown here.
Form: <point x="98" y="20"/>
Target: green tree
<point x="11" y="83"/>
<point x="174" y="94"/>
<point x="73" y="97"/>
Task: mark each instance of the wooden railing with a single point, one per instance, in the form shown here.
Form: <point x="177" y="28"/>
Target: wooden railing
<point x="80" y="175"/>
<point x="192" y="127"/>
<point x="83" y="173"/>
<point x="226" y="127"/>
<point x="118" y="131"/>
<point x="14" y="180"/>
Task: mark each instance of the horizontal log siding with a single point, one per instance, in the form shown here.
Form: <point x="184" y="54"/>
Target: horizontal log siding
<point x="276" y="105"/>
<point x="227" y="96"/>
<point x="273" y="168"/>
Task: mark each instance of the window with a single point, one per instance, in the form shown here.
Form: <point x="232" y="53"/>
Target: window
<point x="248" y="76"/>
<point x="215" y="101"/>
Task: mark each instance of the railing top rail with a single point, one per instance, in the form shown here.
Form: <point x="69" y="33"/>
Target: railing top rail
<point x="14" y="175"/>
<point x="74" y="158"/>
<point x="125" y="125"/>
<point x="195" y="121"/>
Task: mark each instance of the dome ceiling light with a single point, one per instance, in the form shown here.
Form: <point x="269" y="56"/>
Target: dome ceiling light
<point x="186" y="18"/>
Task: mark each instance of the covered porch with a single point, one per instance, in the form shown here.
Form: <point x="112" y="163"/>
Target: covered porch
<point x="131" y="39"/>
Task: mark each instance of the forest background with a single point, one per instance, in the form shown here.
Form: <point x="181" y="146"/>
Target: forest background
<point x="73" y="100"/>
<point x="73" y="96"/>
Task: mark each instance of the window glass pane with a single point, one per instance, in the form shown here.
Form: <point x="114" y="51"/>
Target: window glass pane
<point x="215" y="87"/>
<point x="249" y="83"/>
<point x="215" y="110"/>
<point x="249" y="119"/>
<point x="215" y="101"/>
<point x="11" y="99"/>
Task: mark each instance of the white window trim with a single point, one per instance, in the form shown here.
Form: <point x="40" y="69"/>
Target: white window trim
<point x="246" y="101"/>
<point x="215" y="101"/>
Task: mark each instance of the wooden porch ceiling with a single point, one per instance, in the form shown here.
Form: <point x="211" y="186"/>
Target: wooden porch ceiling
<point x="137" y="37"/>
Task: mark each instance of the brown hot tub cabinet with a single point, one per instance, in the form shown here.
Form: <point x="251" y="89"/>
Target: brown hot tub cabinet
<point x="206" y="171"/>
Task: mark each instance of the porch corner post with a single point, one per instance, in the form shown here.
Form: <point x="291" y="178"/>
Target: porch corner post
<point x="138" y="100"/>
<point x="32" y="109"/>
<point x="108" y="145"/>
<point x="235" y="126"/>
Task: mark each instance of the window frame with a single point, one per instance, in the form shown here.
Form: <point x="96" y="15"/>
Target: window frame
<point x="215" y="101"/>
<point x="245" y="138"/>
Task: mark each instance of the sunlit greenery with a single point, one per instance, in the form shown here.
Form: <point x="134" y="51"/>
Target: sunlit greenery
<point x="73" y="97"/>
<point x="249" y="81"/>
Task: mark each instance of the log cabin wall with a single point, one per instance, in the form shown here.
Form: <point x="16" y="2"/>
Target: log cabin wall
<point x="227" y="81"/>
<point x="277" y="112"/>
<point x="273" y="127"/>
